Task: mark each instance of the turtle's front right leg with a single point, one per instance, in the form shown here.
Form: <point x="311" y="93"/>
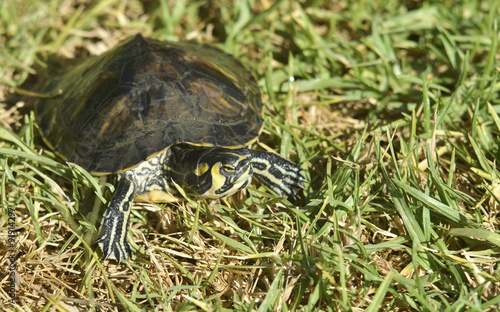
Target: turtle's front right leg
<point x="113" y="238"/>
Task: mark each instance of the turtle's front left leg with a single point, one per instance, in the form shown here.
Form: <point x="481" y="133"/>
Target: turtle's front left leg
<point x="276" y="173"/>
<point x="113" y="238"/>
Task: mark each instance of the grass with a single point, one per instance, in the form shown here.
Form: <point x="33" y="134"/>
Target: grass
<point x="390" y="107"/>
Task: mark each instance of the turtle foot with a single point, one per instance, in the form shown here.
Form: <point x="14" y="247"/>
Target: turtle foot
<point x="276" y="173"/>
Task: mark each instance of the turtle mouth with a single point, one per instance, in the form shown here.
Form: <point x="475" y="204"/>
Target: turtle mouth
<point x="236" y="181"/>
<point x="227" y="172"/>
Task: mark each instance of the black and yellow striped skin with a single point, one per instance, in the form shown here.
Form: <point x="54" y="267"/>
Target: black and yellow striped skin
<point x="201" y="172"/>
<point x="160" y="115"/>
<point x="113" y="239"/>
<point x="213" y="172"/>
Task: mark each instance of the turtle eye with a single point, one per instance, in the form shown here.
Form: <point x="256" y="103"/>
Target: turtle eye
<point x="228" y="168"/>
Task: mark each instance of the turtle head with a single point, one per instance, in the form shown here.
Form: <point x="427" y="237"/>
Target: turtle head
<point x="209" y="172"/>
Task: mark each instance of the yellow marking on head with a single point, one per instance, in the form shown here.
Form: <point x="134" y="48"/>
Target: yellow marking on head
<point x="218" y="181"/>
<point x="240" y="157"/>
<point x="202" y="168"/>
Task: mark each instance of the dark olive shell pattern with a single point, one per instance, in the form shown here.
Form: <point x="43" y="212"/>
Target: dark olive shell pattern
<point x="137" y="99"/>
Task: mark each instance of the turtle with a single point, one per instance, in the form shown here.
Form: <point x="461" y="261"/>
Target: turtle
<point x="167" y="119"/>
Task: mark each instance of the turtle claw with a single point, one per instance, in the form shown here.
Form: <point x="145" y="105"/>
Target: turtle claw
<point x="114" y="249"/>
<point x="276" y="173"/>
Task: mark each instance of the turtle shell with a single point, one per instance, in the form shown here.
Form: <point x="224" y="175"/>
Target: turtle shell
<point x="137" y="99"/>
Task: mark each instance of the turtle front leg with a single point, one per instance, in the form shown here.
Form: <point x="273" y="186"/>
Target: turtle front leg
<point x="276" y="173"/>
<point x="113" y="239"/>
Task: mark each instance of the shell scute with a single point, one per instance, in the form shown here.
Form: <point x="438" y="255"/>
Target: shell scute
<point x="142" y="96"/>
